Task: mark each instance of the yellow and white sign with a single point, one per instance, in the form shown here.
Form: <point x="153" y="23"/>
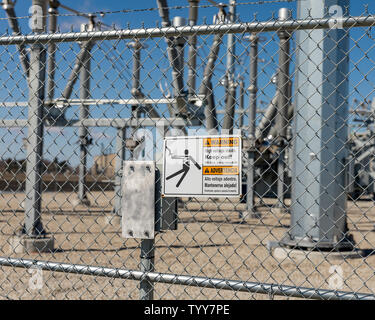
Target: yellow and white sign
<point x="202" y="166"/>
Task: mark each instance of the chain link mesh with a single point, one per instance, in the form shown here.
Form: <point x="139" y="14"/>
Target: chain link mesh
<point x="92" y="103"/>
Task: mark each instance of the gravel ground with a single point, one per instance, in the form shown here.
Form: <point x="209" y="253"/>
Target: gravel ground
<point x="210" y="242"/>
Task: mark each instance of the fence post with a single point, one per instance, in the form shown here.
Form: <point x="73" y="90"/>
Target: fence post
<point x="147" y="265"/>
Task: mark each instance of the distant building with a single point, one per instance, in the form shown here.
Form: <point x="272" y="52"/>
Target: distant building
<point x="49" y="167"/>
<point x="104" y="165"/>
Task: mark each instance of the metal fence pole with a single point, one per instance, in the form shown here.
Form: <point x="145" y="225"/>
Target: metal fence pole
<point x="147" y="265"/>
<point x="253" y="89"/>
<point x="282" y="105"/>
<point x="33" y="223"/>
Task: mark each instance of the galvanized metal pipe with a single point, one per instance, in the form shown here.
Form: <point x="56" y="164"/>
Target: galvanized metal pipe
<point x="292" y="25"/>
<point x="253" y="90"/>
<point x="192" y="55"/>
<point x="52" y="28"/>
<point x="230" y="92"/>
<point x="194" y="281"/>
<point x="283" y="80"/>
<point x="320" y="146"/>
<point x="85" y="77"/>
<point x="120" y="157"/>
<point x="33" y="223"/>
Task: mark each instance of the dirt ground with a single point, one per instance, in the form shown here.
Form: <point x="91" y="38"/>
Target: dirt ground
<point x="210" y="241"/>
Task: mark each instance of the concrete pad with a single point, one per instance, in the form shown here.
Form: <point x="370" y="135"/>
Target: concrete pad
<point x="24" y="244"/>
<point x="299" y="255"/>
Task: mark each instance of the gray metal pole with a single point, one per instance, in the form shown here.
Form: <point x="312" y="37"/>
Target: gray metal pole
<point x="136" y="84"/>
<point x="85" y="76"/>
<point x="282" y="105"/>
<point x="210" y="112"/>
<point x="192" y="55"/>
<point x="120" y="157"/>
<point x="52" y="28"/>
<point x="8" y="6"/>
<point x="177" y="77"/>
<point x="228" y="122"/>
<point x="34" y="160"/>
<point x="318" y="211"/>
<point x="230" y="94"/>
<point x="82" y="56"/>
<point x="241" y="107"/>
<point x="253" y="89"/>
<point x="147" y="265"/>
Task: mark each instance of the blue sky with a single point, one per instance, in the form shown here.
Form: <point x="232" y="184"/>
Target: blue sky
<point x="112" y="80"/>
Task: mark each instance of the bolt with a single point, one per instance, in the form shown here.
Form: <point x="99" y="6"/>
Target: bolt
<point x="147" y="234"/>
<point x="130" y="233"/>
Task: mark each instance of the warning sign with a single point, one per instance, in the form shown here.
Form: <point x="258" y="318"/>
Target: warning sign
<point x="220" y="170"/>
<point x="221" y="142"/>
<point x="201" y="166"/>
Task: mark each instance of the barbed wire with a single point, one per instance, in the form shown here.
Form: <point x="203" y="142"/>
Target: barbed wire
<point x="125" y="11"/>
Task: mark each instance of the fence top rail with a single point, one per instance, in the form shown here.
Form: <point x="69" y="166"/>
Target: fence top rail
<point x="244" y="27"/>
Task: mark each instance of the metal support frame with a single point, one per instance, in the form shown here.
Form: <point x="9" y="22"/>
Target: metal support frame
<point x="120" y="157"/>
<point x="52" y="28"/>
<point x="210" y="112"/>
<point x="192" y="55"/>
<point x="177" y="76"/>
<point x="8" y="6"/>
<point x="253" y="90"/>
<point x="230" y="84"/>
<point x="283" y="101"/>
<point x="320" y="145"/>
<point x="33" y="224"/>
<point x="74" y="75"/>
<point x="84" y="136"/>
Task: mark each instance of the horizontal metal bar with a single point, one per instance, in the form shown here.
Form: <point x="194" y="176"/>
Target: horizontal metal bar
<point x="274" y="25"/>
<point x="194" y="281"/>
<point x="78" y="102"/>
<point x="115" y="122"/>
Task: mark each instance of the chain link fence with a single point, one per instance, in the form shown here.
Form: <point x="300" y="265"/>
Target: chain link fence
<point x="75" y="105"/>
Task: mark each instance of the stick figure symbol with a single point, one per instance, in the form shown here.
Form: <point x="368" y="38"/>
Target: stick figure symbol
<point x="185" y="166"/>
